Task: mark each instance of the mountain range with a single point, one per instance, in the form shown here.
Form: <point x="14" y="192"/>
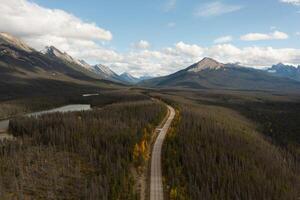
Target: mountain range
<point x="23" y="69"/>
<point x="288" y="71"/>
<point x="126" y="77"/>
<point x="21" y="66"/>
<point x="102" y="71"/>
<point x="211" y="74"/>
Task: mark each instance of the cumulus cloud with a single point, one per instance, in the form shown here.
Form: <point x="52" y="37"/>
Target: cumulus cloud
<point x="170" y="5"/>
<point x="142" y="44"/>
<point x="254" y="56"/>
<point x="215" y="9"/>
<point x="223" y="39"/>
<point x="276" y="35"/>
<point x="25" y="18"/>
<point x="293" y="2"/>
<point x="171" y="24"/>
<point x="189" y="50"/>
<point x="40" y="26"/>
<point x="180" y="55"/>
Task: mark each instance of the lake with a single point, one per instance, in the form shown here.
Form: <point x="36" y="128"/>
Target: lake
<point x="68" y="108"/>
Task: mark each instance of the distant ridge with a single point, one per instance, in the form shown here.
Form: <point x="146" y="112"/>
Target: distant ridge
<point x="105" y="72"/>
<point x="54" y="52"/>
<point x="288" y="71"/>
<point x="209" y="73"/>
<point x="126" y="77"/>
<point x="100" y="70"/>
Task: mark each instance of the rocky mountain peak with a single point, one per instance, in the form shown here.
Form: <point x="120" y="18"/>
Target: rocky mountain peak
<point x="104" y="71"/>
<point x="9" y="39"/>
<point x="205" y="63"/>
<point x="127" y="77"/>
<point x="52" y="51"/>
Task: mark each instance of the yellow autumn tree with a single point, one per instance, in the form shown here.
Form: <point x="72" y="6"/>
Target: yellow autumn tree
<point x="141" y="150"/>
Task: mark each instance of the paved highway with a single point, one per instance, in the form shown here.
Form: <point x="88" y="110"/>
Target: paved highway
<point x="156" y="185"/>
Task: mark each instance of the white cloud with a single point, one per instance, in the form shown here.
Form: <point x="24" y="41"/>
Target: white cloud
<point x="298" y="33"/>
<point x="180" y="55"/>
<point x="171" y="24"/>
<point x="142" y="44"/>
<point x="24" y="18"/>
<point x="170" y="5"/>
<point x="293" y="2"/>
<point x="223" y="39"/>
<point x="254" y="56"/>
<point x="40" y="26"/>
<point x="276" y="35"/>
<point x="189" y="50"/>
<point x="215" y="8"/>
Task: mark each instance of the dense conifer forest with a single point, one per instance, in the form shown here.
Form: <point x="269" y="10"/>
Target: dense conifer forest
<point x="220" y="146"/>
<point x="17" y="106"/>
<point x="213" y="152"/>
<point x="79" y="155"/>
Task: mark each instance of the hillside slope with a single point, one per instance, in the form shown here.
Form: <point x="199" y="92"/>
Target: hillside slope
<point x="24" y="70"/>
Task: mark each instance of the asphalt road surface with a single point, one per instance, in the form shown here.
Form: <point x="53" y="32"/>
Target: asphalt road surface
<point x="156" y="185"/>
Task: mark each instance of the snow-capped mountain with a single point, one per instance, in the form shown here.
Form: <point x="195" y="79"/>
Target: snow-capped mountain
<point x="54" y="52"/>
<point x="287" y="71"/>
<point x="106" y="72"/>
<point x="52" y="60"/>
<point x="126" y="77"/>
<point x="143" y="78"/>
<point x="101" y="70"/>
<point x="85" y="64"/>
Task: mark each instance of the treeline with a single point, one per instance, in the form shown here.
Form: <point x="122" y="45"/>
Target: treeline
<point x="214" y="153"/>
<point x="82" y="155"/>
<point x="278" y="118"/>
<point x="11" y="108"/>
<point x="15" y="107"/>
<point x="279" y="121"/>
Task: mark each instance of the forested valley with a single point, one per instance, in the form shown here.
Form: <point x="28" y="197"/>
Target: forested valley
<point x="18" y="106"/>
<point x="220" y="146"/>
<point x="214" y="152"/>
<point x="79" y="155"/>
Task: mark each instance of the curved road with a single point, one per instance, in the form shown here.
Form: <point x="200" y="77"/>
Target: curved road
<point x="156" y="185"/>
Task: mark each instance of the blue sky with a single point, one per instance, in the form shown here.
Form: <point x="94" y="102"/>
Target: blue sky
<point x="158" y="37"/>
<point x="134" y="20"/>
